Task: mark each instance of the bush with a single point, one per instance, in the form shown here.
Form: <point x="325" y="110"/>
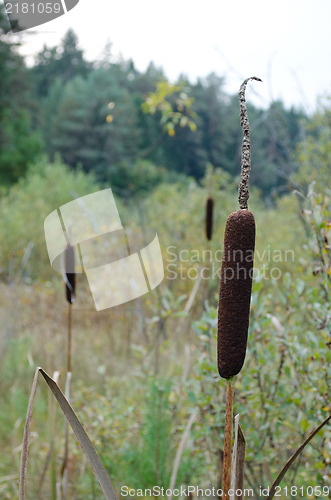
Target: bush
<point x="24" y="209"/>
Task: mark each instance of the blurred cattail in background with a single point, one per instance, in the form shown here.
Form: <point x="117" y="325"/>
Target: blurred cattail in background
<point x="70" y="277"/>
<point x="70" y="288"/>
<point x="209" y="218"/>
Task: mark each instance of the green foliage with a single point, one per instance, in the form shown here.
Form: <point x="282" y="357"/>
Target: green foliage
<point x="140" y="177"/>
<point x="313" y="153"/>
<point x="274" y="134"/>
<point x="4" y="22"/>
<point x="92" y="123"/>
<point x="149" y="461"/>
<point x="19" y="145"/>
<point x="23" y="211"/>
<point x="64" y="61"/>
<point x="174" y="105"/>
<point x="218" y="125"/>
<point x="135" y="418"/>
<point x="183" y="227"/>
<point x="178" y="126"/>
<point x="317" y="214"/>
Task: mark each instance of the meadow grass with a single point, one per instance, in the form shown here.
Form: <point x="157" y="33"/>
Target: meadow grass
<point x="282" y="393"/>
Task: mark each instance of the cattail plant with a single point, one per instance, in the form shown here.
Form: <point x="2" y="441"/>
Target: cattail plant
<point x="209" y="218"/>
<point x="70" y="289"/>
<point x="209" y="233"/>
<point x="70" y="277"/>
<point x="235" y="288"/>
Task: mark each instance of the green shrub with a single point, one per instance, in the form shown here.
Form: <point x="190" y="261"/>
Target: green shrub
<point x="24" y="209"/>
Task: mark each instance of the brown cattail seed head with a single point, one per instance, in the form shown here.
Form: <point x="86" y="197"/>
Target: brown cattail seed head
<point x="209" y="218"/>
<point x="70" y="277"/>
<point x="235" y="292"/>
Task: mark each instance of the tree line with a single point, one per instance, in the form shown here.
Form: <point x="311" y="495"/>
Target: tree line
<point x="132" y="128"/>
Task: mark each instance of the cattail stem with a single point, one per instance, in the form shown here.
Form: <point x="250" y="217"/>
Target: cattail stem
<point x="70" y="281"/>
<point x="227" y="439"/>
<point x="65" y="462"/>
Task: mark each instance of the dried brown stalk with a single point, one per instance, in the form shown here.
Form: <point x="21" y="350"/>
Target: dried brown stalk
<point x="243" y="193"/>
<point x="227" y="440"/>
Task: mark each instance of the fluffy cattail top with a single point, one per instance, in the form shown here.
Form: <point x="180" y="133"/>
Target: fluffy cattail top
<point x="209" y="218"/>
<point x="70" y="277"/>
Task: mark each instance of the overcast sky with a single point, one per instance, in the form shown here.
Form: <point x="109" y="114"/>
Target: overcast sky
<point x="287" y="43"/>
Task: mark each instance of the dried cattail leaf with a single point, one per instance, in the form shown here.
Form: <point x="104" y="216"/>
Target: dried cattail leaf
<point x="209" y="218"/>
<point x="83" y="439"/>
<point x="235" y="292"/>
<point x="70" y="276"/>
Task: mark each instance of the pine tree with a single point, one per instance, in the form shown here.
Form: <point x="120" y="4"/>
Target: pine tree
<point x="19" y="145"/>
